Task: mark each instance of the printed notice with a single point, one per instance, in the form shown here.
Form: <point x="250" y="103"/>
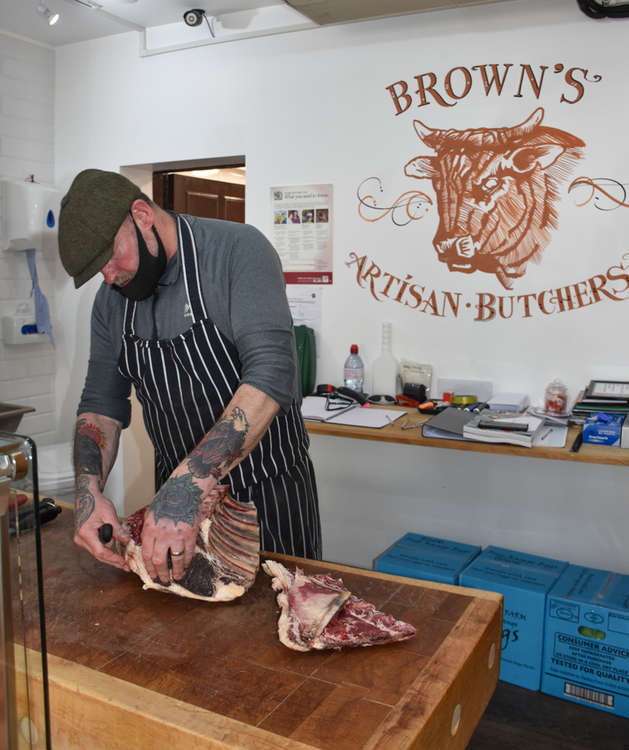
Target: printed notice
<point x="603" y="664"/>
<point x="305" y="307"/>
<point x="302" y="232"/>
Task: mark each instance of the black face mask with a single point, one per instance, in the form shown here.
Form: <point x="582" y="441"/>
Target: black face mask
<point x="150" y="269"/>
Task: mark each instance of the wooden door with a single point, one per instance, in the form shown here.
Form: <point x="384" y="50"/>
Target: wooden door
<point x="210" y="199"/>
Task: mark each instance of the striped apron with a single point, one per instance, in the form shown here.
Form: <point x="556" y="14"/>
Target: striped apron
<point x="184" y="385"/>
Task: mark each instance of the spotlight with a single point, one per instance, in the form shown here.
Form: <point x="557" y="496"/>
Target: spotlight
<point x="194" y="17"/>
<point x="44" y="10"/>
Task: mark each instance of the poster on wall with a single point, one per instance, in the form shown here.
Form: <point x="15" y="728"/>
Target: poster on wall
<point x="302" y="232"/>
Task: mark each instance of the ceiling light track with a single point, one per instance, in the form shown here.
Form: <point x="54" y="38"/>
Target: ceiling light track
<point x="93" y="5"/>
<point x="89" y="4"/>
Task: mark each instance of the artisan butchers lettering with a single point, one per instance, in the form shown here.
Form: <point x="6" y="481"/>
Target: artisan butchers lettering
<point x="496" y="192"/>
<point x="406" y="290"/>
<point x="495" y="79"/>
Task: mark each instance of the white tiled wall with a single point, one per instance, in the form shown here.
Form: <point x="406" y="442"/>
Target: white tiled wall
<point x="27" y="372"/>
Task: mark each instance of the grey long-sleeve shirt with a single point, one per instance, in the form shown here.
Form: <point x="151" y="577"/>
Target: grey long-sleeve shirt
<point x="244" y="294"/>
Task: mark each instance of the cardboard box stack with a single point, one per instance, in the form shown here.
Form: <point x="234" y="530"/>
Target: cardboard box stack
<point x="426" y="557"/>
<point x="586" y="645"/>
<point x="565" y="627"/>
<point x="524" y="581"/>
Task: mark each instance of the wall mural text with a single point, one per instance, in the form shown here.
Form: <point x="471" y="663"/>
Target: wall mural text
<point x="495" y="79"/>
<point x="611" y="284"/>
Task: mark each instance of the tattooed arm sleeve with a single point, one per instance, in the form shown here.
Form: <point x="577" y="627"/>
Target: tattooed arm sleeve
<point x="95" y="448"/>
<point x="171" y="522"/>
<point x="238" y="431"/>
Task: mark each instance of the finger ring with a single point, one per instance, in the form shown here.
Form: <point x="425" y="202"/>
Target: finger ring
<point x="176" y="554"/>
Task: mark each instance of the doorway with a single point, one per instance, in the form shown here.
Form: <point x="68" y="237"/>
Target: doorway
<point x="217" y="193"/>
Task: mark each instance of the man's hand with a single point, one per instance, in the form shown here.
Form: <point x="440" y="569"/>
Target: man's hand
<point x="172" y="520"/>
<point x="92" y="510"/>
<point x="171" y="524"/>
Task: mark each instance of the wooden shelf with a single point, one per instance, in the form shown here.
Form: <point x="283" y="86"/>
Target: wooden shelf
<point x="393" y="433"/>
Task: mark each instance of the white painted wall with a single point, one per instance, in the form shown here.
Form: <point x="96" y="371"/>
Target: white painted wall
<point x="27" y="371"/>
<point x="312" y="107"/>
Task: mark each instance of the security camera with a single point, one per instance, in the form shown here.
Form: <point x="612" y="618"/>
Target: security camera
<point x="193" y="17"/>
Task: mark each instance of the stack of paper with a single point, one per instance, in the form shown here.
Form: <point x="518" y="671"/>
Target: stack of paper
<point x="492" y="432"/>
<point x="586" y="404"/>
<point x="515" y="402"/>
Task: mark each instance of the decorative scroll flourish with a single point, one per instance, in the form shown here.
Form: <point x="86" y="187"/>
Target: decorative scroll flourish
<point x="605" y="193"/>
<point x="412" y="205"/>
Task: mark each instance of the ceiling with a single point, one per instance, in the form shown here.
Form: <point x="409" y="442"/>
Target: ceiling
<point x="79" y="22"/>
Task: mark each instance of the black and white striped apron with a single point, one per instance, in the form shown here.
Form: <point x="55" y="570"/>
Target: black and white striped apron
<point x="184" y="385"/>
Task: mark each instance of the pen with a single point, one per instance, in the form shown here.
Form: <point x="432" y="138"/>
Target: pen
<point x="574" y="448"/>
<point x="545" y="434"/>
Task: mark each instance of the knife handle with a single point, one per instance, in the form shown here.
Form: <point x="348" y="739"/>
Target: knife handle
<point x="105" y="533"/>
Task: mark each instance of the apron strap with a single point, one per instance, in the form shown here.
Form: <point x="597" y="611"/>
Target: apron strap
<point x="190" y="264"/>
<point x="191" y="278"/>
<point x="129" y="317"/>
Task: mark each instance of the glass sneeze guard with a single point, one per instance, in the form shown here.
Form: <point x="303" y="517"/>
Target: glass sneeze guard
<point x="24" y="705"/>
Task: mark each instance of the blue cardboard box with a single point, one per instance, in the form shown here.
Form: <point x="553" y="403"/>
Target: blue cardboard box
<point x="603" y="429"/>
<point x="586" y="647"/>
<point x="426" y="557"/>
<point x="523" y="580"/>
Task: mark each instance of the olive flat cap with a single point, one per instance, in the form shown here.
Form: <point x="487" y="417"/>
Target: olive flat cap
<point x="91" y="214"/>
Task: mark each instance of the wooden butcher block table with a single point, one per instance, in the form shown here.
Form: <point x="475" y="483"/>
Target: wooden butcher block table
<point x="142" y="669"/>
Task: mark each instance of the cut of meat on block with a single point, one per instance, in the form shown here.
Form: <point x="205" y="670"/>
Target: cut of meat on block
<point x="308" y="603"/>
<point x="318" y="612"/>
<point x="226" y="556"/>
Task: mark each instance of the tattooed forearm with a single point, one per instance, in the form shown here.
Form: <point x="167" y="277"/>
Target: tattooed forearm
<point x="177" y="500"/>
<point x="222" y="446"/>
<point x="89" y="441"/>
<point x="84" y="502"/>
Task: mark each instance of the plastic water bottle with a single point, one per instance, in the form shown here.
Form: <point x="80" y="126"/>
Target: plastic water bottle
<point x="354" y="370"/>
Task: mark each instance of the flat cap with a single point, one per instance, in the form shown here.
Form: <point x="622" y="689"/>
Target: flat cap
<point x="91" y="214"/>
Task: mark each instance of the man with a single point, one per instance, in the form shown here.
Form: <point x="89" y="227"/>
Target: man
<point x="193" y="313"/>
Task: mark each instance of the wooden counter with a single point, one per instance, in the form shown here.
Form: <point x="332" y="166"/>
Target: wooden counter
<point x="393" y="433"/>
<point x="142" y="669"/>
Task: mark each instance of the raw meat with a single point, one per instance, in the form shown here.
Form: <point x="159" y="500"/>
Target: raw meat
<point x="226" y="556"/>
<point x="308" y="603"/>
<point x="318" y="612"/>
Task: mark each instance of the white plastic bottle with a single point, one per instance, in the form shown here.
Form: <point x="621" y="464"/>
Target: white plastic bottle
<point x="385" y="368"/>
<point x="354" y="370"/>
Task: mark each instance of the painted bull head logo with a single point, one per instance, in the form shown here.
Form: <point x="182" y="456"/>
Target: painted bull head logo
<point x="497" y="190"/>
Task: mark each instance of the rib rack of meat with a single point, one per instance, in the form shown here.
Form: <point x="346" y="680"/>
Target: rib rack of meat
<point x="226" y="556"/>
<point x="318" y="612"/>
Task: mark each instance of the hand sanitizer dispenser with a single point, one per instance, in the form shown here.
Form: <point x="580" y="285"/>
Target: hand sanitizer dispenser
<point x="28" y="212"/>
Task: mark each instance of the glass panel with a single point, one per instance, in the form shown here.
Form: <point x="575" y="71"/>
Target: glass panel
<point x="24" y="714"/>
